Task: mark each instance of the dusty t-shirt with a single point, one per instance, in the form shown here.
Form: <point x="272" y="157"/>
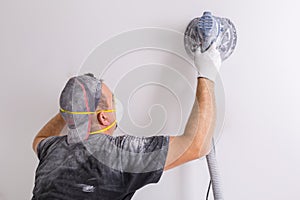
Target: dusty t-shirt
<point x="102" y="167"/>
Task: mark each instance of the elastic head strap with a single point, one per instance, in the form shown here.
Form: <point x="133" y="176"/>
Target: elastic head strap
<point x="105" y="129"/>
<point x="86" y="113"/>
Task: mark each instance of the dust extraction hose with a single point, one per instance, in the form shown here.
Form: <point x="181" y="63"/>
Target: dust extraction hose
<point x="214" y="174"/>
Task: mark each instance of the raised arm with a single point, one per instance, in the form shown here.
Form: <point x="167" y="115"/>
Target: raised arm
<point x="52" y="128"/>
<point x="197" y="137"/>
<point x="196" y="140"/>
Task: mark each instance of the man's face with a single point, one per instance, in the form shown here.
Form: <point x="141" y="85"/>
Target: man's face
<point x="111" y="104"/>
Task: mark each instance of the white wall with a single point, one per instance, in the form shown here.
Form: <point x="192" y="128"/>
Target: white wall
<point x="43" y="43"/>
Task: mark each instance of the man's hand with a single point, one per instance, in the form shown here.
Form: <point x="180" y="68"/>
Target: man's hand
<point x="208" y="63"/>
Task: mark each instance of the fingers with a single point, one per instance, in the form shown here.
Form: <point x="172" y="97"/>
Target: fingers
<point x="198" y="51"/>
<point x="211" y="50"/>
<point x="213" y="47"/>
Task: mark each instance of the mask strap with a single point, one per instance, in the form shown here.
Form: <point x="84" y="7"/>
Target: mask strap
<point x="95" y="112"/>
<point x="105" y="129"/>
<point x="85" y="113"/>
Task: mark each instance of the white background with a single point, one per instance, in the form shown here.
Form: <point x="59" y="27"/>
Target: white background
<point x="43" y="43"/>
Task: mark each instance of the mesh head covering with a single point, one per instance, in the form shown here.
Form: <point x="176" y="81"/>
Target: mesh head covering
<point x="81" y="94"/>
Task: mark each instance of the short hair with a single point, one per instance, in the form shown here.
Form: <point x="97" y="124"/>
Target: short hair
<point x="103" y="99"/>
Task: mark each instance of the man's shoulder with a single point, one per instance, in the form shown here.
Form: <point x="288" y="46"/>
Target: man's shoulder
<point x="144" y="144"/>
<point x="49" y="143"/>
<point x="130" y="143"/>
<point x="52" y="139"/>
<point x="129" y="153"/>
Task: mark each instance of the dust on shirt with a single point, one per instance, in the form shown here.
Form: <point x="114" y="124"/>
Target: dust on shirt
<point x="102" y="167"/>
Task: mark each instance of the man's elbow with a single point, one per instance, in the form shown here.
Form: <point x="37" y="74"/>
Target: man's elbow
<point x="201" y="151"/>
<point x="203" y="146"/>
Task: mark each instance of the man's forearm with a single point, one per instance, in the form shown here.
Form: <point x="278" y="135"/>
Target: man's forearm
<point x="196" y="139"/>
<point x="200" y="126"/>
<point x="52" y="128"/>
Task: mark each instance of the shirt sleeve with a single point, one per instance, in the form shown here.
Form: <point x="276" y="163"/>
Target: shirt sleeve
<point x="44" y="145"/>
<point x="146" y="157"/>
<point x="143" y="154"/>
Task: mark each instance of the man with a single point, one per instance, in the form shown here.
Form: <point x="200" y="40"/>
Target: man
<point x="89" y="163"/>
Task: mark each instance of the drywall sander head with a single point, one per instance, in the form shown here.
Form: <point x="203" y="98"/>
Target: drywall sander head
<point x="203" y="31"/>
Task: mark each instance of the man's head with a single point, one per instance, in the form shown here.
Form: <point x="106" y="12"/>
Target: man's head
<point x="87" y="105"/>
<point x="106" y="103"/>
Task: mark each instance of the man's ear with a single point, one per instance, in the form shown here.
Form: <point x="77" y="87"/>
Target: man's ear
<point x="103" y="119"/>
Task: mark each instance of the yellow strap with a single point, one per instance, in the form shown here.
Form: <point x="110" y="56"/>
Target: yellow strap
<point x="105" y="129"/>
<point x="85" y="113"/>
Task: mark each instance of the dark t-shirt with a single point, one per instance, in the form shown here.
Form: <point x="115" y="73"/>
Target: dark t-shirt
<point x="102" y="167"/>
